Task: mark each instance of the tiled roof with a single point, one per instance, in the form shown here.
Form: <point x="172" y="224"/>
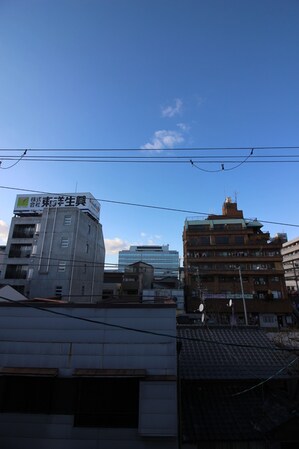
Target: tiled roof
<point x="214" y="354"/>
<point x="212" y="412"/>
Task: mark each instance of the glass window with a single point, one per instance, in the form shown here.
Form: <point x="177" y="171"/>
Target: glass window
<point x="204" y="240"/>
<point x="222" y="240"/>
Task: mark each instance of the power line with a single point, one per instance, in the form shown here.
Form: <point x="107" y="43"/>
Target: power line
<point x="143" y="331"/>
<point x="161" y="160"/>
<point x="148" y="206"/>
<point x="18" y="160"/>
<point x="249" y="148"/>
<point x="267" y="380"/>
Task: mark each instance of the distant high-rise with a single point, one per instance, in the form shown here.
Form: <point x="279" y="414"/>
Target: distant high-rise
<point x="55" y="247"/>
<point x="165" y="261"/>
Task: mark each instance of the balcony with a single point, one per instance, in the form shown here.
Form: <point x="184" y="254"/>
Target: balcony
<point x="16" y="272"/>
<point x="23" y="231"/>
<point x="19" y="251"/>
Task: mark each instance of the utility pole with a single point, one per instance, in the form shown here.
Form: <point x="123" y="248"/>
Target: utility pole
<point x="243" y="297"/>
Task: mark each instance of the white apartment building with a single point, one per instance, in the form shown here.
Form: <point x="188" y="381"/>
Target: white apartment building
<point x="290" y="254"/>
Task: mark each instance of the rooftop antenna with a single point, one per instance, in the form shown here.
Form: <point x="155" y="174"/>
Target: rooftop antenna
<point x="76" y="186"/>
<point x="236" y="196"/>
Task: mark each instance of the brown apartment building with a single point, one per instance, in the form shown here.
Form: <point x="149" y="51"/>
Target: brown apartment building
<point x="235" y="269"/>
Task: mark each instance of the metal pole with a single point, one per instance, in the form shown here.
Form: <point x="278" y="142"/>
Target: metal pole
<point x="295" y="274"/>
<point x="243" y="297"/>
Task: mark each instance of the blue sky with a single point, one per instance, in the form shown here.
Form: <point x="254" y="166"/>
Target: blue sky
<point x="152" y="76"/>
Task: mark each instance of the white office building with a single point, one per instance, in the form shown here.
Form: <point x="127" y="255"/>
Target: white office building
<point x="56" y="248"/>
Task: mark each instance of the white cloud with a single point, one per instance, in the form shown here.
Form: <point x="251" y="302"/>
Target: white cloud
<point x="183" y="126"/>
<point x="163" y="139"/>
<point x="148" y="239"/>
<point x="3" y="232"/>
<point x="171" y="111"/>
<point x="113" y="246"/>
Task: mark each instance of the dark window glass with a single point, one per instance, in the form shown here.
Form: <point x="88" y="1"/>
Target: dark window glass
<point x="108" y="403"/>
<point x="222" y="240"/>
<point x="96" y="402"/>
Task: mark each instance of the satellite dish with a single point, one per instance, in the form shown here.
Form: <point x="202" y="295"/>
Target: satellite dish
<point x="202" y="317"/>
<point x="201" y="307"/>
<point x="230" y="302"/>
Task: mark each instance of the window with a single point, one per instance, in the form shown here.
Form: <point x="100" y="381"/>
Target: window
<point x="64" y="242"/>
<point x="222" y="240"/>
<point x="268" y="319"/>
<point x="82" y="290"/>
<point x="61" y="266"/>
<point x="204" y="240"/>
<point x="26" y="394"/>
<point x="100" y="402"/>
<point x="67" y="220"/>
<point x="87" y="247"/>
<point x="58" y="290"/>
<point x="89" y="228"/>
<point x="108" y="403"/>
<point x="30" y="273"/>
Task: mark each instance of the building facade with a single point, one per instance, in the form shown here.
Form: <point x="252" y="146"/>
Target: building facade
<point x="55" y="248"/>
<point x="88" y="376"/>
<point x="165" y="261"/>
<point x="290" y="254"/>
<point x="137" y="277"/>
<point x="228" y="257"/>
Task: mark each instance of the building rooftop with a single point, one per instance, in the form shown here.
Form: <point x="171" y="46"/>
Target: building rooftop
<point x="229" y="353"/>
